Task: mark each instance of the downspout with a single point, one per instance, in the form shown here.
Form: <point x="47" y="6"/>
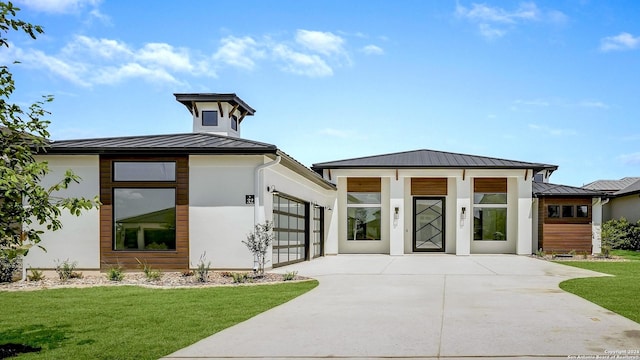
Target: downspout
<point x="257" y="187"/>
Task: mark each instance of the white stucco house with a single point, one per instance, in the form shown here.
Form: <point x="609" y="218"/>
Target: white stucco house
<point x="169" y="199"/>
<point x="623" y="198"/>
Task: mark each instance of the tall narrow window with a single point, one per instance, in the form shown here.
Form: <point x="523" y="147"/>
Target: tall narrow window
<point x="234" y="122"/>
<point x="364" y="211"/>
<point x="490" y="209"/>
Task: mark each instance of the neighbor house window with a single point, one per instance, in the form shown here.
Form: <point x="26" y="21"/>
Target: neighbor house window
<point x="144" y="219"/>
<point x="209" y="118"/>
<point x="364" y="210"/>
<point x="553" y="211"/>
<point x="234" y="122"/>
<point x="490" y="209"/>
<point x="582" y="211"/>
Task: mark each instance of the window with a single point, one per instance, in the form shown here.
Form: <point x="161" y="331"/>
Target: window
<point x="553" y="211"/>
<point x="363" y="216"/>
<point x="209" y="118"/>
<point x="144" y="219"/>
<point x="582" y="211"/>
<point x="144" y="171"/>
<point x="490" y="209"/>
<point x="234" y="122"/>
<point x="567" y="211"/>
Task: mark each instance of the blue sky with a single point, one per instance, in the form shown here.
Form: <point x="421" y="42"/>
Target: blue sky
<point x="541" y="81"/>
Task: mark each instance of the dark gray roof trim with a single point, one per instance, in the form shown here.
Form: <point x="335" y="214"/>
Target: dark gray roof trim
<point x="190" y="143"/>
<point x="188" y="100"/>
<point x="431" y="159"/>
<point x="547" y="189"/>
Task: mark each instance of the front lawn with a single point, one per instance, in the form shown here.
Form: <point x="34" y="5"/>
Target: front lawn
<point x="619" y="293"/>
<point x="125" y="322"/>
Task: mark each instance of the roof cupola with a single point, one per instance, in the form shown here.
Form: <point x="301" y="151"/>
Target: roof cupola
<point x="219" y="114"/>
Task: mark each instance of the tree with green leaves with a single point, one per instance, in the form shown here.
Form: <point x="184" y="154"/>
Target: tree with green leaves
<point x="26" y="206"/>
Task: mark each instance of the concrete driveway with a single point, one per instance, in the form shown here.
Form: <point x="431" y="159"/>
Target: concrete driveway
<point x="427" y="306"/>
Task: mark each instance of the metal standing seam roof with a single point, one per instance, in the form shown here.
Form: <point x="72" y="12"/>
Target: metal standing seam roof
<point x="547" y="189"/>
<point x="430" y="159"/>
<point x="634" y="188"/>
<point x="189" y="143"/>
<point x="188" y="100"/>
<point x="612" y="185"/>
<point x="174" y="143"/>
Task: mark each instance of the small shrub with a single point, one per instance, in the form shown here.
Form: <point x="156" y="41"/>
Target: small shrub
<point x="8" y="267"/>
<point x="585" y="255"/>
<point x="36" y="275"/>
<point x="187" y="273"/>
<point x="76" y="275"/>
<point x="239" y="278"/>
<point x="149" y="272"/>
<point x="115" y="273"/>
<point x="621" y="234"/>
<point x="65" y="269"/>
<point x="572" y="252"/>
<point x="226" y="274"/>
<point x="540" y="253"/>
<point x="290" y="275"/>
<point x="258" y="242"/>
<point x="203" y="268"/>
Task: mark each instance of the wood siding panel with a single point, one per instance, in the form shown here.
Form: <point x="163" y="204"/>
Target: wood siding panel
<point x="566" y="201"/>
<point x="364" y="185"/>
<point x="562" y="238"/>
<point x="490" y="185"/>
<point x="163" y="260"/>
<point x="428" y="186"/>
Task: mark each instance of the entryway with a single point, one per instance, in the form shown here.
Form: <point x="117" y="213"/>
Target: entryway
<point x="428" y="224"/>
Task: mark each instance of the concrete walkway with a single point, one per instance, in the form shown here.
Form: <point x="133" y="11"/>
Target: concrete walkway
<point x="427" y="306"/>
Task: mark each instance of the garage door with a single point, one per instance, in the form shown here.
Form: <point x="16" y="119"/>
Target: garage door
<point x="290" y="227"/>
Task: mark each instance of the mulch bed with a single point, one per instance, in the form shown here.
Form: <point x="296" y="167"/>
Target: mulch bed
<point x="169" y="280"/>
<point x="8" y="350"/>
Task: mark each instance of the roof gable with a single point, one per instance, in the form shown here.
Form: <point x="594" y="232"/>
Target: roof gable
<point x="613" y="186"/>
<point x="547" y="189"/>
<point x="430" y="159"/>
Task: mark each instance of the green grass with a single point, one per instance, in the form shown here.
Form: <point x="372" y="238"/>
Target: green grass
<point x="627" y="254"/>
<point x="618" y="294"/>
<point x="126" y="322"/>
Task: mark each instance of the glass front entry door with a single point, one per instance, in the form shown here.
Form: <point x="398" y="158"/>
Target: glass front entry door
<point x="428" y="224"/>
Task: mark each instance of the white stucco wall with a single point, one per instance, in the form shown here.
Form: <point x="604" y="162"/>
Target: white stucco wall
<point x="79" y="238"/>
<point x="219" y="218"/>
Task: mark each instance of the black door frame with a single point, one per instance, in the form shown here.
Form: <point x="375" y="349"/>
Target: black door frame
<point x="444" y="223"/>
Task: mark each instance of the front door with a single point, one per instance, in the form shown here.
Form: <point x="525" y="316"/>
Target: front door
<point x="428" y="224"/>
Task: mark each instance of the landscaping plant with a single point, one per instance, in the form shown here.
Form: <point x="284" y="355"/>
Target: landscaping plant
<point x="258" y="243"/>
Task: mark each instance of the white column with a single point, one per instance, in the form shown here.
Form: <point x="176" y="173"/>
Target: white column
<point x="525" y="215"/>
<point x="596" y="226"/>
<point x="463" y="221"/>
<point x="396" y="201"/>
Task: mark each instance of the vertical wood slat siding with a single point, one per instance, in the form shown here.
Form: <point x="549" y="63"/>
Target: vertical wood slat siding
<point x="567" y="201"/>
<point x="364" y="184"/>
<point x="164" y="260"/>
<point x="490" y="185"/>
<point x="428" y="186"/>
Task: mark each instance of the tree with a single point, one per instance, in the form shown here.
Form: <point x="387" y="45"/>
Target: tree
<point x="24" y="202"/>
<point x="258" y="243"/>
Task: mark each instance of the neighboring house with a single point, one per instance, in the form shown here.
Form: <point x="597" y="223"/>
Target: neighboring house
<point x="623" y="198"/>
<point x="568" y="218"/>
<point x="168" y="200"/>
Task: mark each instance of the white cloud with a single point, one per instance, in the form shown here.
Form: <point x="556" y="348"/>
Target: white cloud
<point x="485" y="13"/>
<point x="335" y="133"/>
<point x="325" y="43"/>
<point x="593" y="104"/>
<point x="165" y="56"/>
<point x="91" y="47"/>
<point x="300" y="63"/>
<point x="552" y="131"/>
<point x="113" y="75"/>
<point x="58" y="6"/>
<point x="372" y="50"/>
<point x="630" y="159"/>
<point x="239" y="52"/>
<point x="622" y="41"/>
<point x="494" y="22"/>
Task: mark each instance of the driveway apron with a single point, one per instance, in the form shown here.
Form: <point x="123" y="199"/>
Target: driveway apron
<point x="427" y="306"/>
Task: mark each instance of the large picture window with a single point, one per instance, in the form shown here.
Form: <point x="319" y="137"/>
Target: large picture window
<point x="363" y="216"/>
<point x="490" y="209"/>
<point x="144" y="219"/>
